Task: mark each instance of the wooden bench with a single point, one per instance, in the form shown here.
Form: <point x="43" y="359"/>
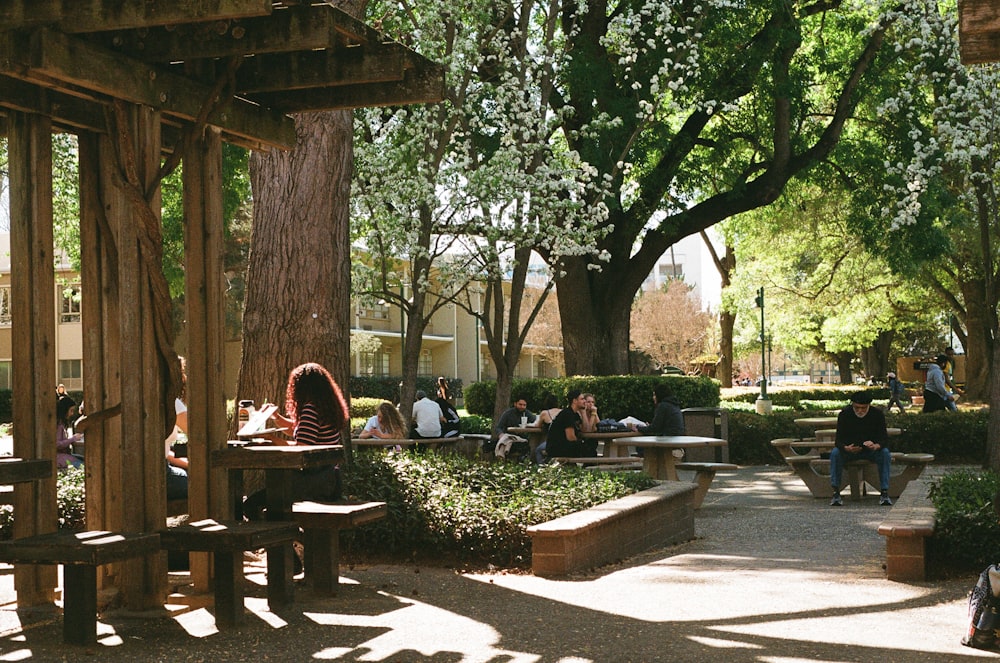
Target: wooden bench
<point x="227" y="541"/>
<point x="906" y="529"/>
<point x="704" y="474"/>
<point x="659" y="516"/>
<point x="815" y="473"/>
<point x="321" y="524"/>
<point x="80" y="553"/>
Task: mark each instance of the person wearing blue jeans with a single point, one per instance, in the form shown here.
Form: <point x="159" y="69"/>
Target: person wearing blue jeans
<point x="861" y="435"/>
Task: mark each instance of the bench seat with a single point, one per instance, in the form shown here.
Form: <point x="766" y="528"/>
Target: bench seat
<point x="909" y="523"/>
<point x="80" y="553"/>
<point x="704" y="474"/>
<point x="815" y="473"/>
<point x="321" y="524"/>
<point x="227" y="541"/>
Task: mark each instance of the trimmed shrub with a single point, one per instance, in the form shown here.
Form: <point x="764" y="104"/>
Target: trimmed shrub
<point x="365" y="408"/>
<point x="70" y="501"/>
<point x="967" y="535"/>
<point x="446" y="505"/>
<point x="618" y="396"/>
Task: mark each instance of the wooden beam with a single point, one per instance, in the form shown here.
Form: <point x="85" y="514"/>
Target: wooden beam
<point x="976" y="16"/>
<point x="52" y="59"/>
<point x="421" y="85"/>
<point x="296" y="71"/>
<point x="65" y="110"/>
<point x="74" y="16"/>
<point x="979" y="48"/>
<point x="292" y="29"/>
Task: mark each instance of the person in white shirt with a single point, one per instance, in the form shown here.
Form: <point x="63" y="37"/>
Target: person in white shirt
<point x="427" y="418"/>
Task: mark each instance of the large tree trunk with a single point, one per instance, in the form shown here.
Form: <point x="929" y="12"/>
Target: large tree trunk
<point x="298" y="278"/>
<point x="978" y="342"/>
<point x="993" y="428"/>
<point x="876" y="356"/>
<point x="727" y="322"/>
<point x="843" y="361"/>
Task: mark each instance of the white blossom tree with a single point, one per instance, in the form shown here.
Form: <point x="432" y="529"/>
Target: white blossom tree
<point x="460" y="193"/>
<point x="941" y="177"/>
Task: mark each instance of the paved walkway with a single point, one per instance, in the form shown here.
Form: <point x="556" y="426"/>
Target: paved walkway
<point x="774" y="576"/>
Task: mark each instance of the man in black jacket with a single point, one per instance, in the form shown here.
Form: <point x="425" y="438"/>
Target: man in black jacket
<point x="861" y="435"/>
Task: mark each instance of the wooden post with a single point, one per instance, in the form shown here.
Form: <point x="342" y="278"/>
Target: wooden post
<point x="204" y="288"/>
<point x="33" y="337"/>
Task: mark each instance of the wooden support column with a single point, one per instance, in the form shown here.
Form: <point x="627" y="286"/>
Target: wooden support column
<point x="135" y="471"/>
<point x="33" y="342"/>
<point x="204" y="288"/>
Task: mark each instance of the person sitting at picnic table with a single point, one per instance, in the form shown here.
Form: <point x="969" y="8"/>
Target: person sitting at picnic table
<point x="861" y="435"/>
<point x="550" y="408"/>
<point x="427" y="417"/>
<point x="667" y="416"/>
<point x="386" y="424"/>
<point x="452" y="424"/>
<point x="177" y="466"/>
<point x="511" y="417"/>
<point x="589" y="416"/>
<point x="65" y="408"/>
<point x="565" y="437"/>
<point x="315" y="413"/>
<point x="936" y="393"/>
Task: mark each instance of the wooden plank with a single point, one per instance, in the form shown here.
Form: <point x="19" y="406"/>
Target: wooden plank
<point x="96" y="15"/>
<point x="421" y="85"/>
<point x="51" y="59"/>
<point x="978" y="16"/>
<point x="66" y="547"/>
<point x="17" y="470"/>
<point x="979" y="48"/>
<point x="300" y="28"/>
<point x="296" y="71"/>
<point x="33" y="335"/>
<point x="64" y="109"/>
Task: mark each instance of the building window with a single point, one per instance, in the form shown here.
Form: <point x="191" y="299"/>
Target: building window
<point x="5" y="306"/>
<point x="374" y="363"/>
<point x="70" y="304"/>
<point x="425" y="364"/>
<point x="5" y="375"/>
<point x="71" y="373"/>
<point x="671" y="271"/>
<point x="376" y="311"/>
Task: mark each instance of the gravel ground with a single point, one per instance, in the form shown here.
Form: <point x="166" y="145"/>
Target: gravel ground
<point x="774" y="576"/>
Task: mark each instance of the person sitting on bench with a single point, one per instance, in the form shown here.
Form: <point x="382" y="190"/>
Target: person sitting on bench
<point x="861" y="435"/>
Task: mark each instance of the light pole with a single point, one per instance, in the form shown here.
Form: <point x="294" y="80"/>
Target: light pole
<point x="763" y="402"/>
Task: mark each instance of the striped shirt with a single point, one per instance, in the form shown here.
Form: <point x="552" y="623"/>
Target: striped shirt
<point x="310" y="430"/>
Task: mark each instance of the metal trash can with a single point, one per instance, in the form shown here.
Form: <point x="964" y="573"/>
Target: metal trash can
<point x="707" y="422"/>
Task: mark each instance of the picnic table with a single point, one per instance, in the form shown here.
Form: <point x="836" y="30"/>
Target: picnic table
<point x="658" y="451"/>
<point x="281" y="464"/>
<point x="535" y="435"/>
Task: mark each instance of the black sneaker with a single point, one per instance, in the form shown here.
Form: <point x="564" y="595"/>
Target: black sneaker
<point x="837" y="500"/>
<point x="884" y="500"/>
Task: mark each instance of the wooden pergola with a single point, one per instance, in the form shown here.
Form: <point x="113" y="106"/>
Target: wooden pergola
<point x="145" y="84"/>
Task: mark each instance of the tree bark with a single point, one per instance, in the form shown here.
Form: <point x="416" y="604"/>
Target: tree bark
<point x="978" y="342"/>
<point x="843" y="361"/>
<point x="298" y="278"/>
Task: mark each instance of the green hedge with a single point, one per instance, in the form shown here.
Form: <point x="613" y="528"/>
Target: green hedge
<point x="386" y="387"/>
<point x="449" y="507"/>
<point x="953" y="437"/>
<point x="793" y="397"/>
<point x="966" y="535"/>
<point x="617" y="396"/>
<point x="70" y="502"/>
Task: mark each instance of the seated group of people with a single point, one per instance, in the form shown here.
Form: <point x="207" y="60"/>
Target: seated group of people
<point x="431" y="418"/>
<point x="566" y="428"/>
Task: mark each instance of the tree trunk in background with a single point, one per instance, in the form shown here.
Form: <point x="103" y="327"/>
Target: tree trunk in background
<point x="875" y="357"/>
<point x="843" y="361"/>
<point x="298" y="278"/>
<point x="978" y="342"/>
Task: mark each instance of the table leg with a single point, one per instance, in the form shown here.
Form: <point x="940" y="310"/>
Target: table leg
<point x="659" y="463"/>
<point x="279" y="558"/>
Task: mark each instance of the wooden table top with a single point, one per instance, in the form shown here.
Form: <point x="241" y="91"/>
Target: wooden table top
<point x="277" y="456"/>
<point x="669" y="441"/>
<point x="823" y="422"/>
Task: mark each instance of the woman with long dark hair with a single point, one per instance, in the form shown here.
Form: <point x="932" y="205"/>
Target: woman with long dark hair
<point x="315" y="413"/>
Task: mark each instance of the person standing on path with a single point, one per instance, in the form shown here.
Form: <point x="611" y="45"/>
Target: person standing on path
<point x="861" y="435"/>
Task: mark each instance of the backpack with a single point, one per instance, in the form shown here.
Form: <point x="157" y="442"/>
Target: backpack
<point x="983" y="605"/>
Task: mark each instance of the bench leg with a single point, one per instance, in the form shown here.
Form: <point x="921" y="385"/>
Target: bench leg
<point x="855" y="477"/>
<point x="322" y="559"/>
<point x="228" y="588"/>
<point x="79" y="604"/>
<point x="703" y="478"/>
<point x="280" y="581"/>
<point x="818" y="484"/>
